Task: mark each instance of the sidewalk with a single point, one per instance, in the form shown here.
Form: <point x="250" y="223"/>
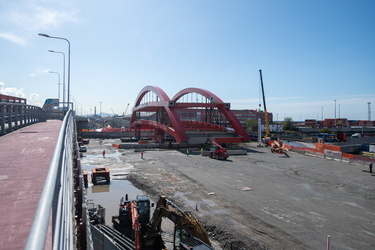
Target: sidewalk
<point x="25" y="157"/>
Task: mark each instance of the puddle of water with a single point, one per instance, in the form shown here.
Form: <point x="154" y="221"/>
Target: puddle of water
<point x="89" y="167"/>
<point x="88" y="157"/>
<point x="297" y="144"/>
<point x="109" y="196"/>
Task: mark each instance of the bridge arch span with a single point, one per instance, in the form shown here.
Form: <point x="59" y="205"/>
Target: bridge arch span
<point x="158" y="91"/>
<point x="163" y="115"/>
<point x="209" y="95"/>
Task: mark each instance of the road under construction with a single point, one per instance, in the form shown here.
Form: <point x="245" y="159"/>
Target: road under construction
<point x="259" y="200"/>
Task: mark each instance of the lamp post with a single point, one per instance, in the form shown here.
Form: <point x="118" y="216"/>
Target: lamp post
<point x="335" y="113"/>
<point x="369" y="113"/>
<point x="58" y="84"/>
<point x="62" y="38"/>
<point x="52" y="51"/>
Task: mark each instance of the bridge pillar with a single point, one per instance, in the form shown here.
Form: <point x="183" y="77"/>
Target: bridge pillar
<point x="159" y="135"/>
<point x="137" y="132"/>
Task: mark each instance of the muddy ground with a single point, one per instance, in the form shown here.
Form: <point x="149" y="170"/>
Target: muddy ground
<point x="255" y="201"/>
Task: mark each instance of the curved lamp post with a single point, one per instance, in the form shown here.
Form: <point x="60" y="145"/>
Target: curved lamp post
<point x="58" y="83"/>
<point x="62" y="38"/>
<point x="53" y="51"/>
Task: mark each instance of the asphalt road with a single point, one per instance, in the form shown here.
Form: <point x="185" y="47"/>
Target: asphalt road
<point x="266" y="200"/>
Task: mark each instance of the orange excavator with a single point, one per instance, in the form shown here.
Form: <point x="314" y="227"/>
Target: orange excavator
<point x="133" y="222"/>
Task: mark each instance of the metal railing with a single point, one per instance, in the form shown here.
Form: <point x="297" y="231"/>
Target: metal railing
<point x="15" y="115"/>
<point x="57" y="199"/>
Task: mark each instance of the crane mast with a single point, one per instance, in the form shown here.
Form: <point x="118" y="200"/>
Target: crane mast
<point x="264" y="104"/>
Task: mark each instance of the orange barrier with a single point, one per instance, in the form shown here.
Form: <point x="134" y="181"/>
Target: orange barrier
<point x="320" y="147"/>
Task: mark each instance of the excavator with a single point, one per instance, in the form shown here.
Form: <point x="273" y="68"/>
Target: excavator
<point x="217" y="151"/>
<point x="133" y="222"/>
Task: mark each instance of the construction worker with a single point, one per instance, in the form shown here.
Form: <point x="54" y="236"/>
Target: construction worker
<point x="187" y="152"/>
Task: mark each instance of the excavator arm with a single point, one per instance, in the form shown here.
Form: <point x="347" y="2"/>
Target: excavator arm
<point x="184" y="220"/>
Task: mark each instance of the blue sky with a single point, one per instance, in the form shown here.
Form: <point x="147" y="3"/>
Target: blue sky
<point x="310" y="52"/>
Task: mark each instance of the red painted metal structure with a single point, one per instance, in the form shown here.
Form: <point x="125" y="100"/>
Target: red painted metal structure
<point x="154" y="100"/>
<point x="12" y="99"/>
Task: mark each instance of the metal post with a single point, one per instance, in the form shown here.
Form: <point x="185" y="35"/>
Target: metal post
<point x="63" y="75"/>
<point x="58" y="84"/>
<point x="335" y="113"/>
<point x="62" y="38"/>
<point x="369" y="113"/>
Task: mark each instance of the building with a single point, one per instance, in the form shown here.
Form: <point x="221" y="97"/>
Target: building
<point x="244" y="114"/>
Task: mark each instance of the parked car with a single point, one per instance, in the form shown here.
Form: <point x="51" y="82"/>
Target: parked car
<point x="82" y="149"/>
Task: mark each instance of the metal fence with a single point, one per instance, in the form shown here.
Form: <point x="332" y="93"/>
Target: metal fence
<point x="57" y="199"/>
<point x="15" y="115"/>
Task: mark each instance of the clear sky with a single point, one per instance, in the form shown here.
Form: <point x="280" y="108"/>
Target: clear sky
<point x="311" y="52"/>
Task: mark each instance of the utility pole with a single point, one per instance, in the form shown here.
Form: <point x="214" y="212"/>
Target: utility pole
<point x="335" y="113"/>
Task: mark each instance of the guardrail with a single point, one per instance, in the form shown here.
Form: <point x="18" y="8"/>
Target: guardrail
<point x="15" y="115"/>
<point x="57" y="199"/>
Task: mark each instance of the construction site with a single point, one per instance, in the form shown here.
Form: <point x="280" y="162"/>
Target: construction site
<point x="257" y="200"/>
<point x="219" y="189"/>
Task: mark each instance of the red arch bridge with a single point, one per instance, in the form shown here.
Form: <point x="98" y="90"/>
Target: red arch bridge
<point x="193" y="115"/>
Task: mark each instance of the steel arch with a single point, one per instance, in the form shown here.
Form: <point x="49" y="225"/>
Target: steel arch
<point x="170" y="106"/>
<point x="177" y="130"/>
<point x="229" y="115"/>
<point x="209" y="95"/>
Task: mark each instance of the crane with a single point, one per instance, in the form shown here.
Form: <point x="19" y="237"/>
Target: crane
<point x="264" y="104"/>
<point x="126" y="109"/>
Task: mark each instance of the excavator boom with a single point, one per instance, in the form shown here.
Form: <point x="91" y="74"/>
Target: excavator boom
<point x="182" y="220"/>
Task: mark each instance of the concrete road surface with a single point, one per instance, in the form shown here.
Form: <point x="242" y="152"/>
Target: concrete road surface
<point x="266" y="200"/>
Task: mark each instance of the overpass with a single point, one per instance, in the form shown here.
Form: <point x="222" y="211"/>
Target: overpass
<point x="193" y="115"/>
<point x="42" y="196"/>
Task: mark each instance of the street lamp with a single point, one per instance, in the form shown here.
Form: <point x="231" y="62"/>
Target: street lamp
<point x="335" y="113"/>
<point x="58" y="83"/>
<point x="62" y="38"/>
<point x="52" y="51"/>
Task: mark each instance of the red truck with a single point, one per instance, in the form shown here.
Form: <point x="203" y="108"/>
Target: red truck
<point x="217" y="151"/>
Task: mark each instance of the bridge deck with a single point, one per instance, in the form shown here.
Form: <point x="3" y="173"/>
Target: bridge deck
<point x="25" y="157"/>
